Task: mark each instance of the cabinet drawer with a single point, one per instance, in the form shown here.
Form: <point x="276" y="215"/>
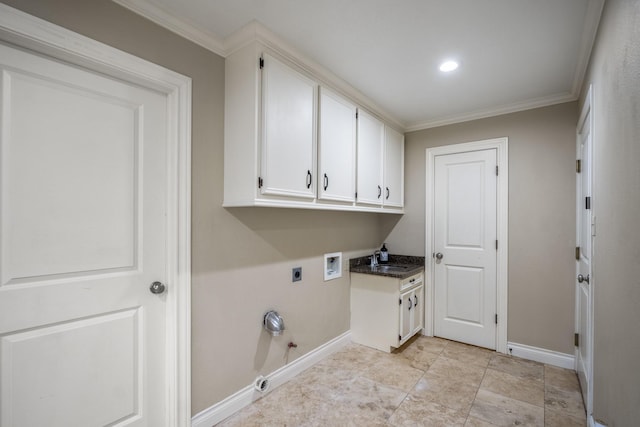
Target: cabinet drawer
<point x="410" y="282"/>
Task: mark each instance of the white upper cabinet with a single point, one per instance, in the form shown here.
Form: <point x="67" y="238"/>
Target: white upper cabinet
<point x="289" y="114"/>
<point x="393" y="168"/>
<point x="290" y="143"/>
<point x="336" y="148"/>
<point x="370" y="152"/>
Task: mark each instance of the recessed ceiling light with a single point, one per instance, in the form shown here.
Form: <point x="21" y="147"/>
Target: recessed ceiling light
<point x="448" y="66"/>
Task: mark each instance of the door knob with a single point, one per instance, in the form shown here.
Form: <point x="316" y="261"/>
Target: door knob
<point x="157" y="288"/>
<point x="439" y="256"/>
<point x="581" y="278"/>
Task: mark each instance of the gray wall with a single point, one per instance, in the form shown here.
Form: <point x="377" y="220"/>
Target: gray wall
<point x="615" y="75"/>
<point x="241" y="258"/>
<point x="541" y="215"/>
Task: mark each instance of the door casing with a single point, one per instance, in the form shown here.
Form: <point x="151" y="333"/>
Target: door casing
<point x="585" y="121"/>
<point x="502" y="209"/>
<point x="27" y="31"/>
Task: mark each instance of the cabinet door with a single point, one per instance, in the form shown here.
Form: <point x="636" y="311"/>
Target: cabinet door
<point x="370" y="147"/>
<point x="337" y="148"/>
<point x="417" y="311"/>
<point x="406" y="315"/>
<point x="288" y="131"/>
<point x="393" y="168"/>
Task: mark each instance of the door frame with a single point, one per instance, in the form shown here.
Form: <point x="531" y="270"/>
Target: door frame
<point x="586" y="112"/>
<point x="27" y="31"/>
<point x="501" y="146"/>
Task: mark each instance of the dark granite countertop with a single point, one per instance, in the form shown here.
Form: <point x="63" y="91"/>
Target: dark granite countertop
<point x="407" y="266"/>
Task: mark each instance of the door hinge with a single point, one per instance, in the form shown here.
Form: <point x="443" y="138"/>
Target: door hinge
<point x="577" y="253"/>
<point x="496" y="319"/>
<point x="587" y="202"/>
<point x="356" y="114"/>
<point x="576" y="340"/>
<point x="496" y="170"/>
<point x="399" y="337"/>
<point x="578" y="166"/>
<point x="400" y="301"/>
<point x="259" y="182"/>
<point x="496" y="244"/>
<point x="356" y="195"/>
<point x="261" y="63"/>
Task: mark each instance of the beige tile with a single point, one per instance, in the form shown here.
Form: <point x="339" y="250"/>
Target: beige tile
<point x="431" y="344"/>
<point x="416" y="356"/>
<point x="568" y="402"/>
<point x="565" y="379"/>
<point x="354" y="357"/>
<point x="468" y="354"/>
<point x="457" y="370"/>
<point x="418" y="412"/>
<point x="452" y="393"/>
<point x="504" y="411"/>
<point x="477" y="422"/>
<point x="526" y="390"/>
<point x="518" y="367"/>
<point x="554" y="418"/>
<point x="390" y="373"/>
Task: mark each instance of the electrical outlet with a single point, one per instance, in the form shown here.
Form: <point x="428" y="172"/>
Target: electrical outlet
<point x="296" y="274"/>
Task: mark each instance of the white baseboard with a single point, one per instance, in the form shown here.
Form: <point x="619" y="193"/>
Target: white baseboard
<point x="247" y="395"/>
<point x="541" y="355"/>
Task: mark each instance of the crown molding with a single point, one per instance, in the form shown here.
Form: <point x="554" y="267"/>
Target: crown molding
<point x="588" y="38"/>
<point x="182" y="27"/>
<point x="492" y="112"/>
<point x="254" y="31"/>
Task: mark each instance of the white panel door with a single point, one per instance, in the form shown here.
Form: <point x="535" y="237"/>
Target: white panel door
<point x="584" y="286"/>
<point x="289" y="102"/>
<point x="370" y="151"/>
<point x="393" y="168"/>
<point x="83" y="203"/>
<point x="337" y="148"/>
<point x="465" y="247"/>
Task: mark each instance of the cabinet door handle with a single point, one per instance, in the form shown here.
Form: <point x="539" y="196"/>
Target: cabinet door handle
<point x="379" y="191"/>
<point x="308" y="179"/>
<point x="387" y="193"/>
<point x="326" y="182"/>
<point x="415" y="298"/>
<point x="409" y="304"/>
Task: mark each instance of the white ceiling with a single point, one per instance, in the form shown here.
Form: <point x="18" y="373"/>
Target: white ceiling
<point x="513" y="54"/>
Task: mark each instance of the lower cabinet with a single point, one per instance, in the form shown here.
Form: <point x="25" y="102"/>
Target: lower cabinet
<point x="386" y="311"/>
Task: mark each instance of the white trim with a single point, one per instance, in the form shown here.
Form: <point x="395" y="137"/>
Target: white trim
<point x="225" y="47"/>
<point x="542" y="355"/>
<point x="33" y="33"/>
<point x="516" y="107"/>
<point x="182" y="27"/>
<point x="247" y="395"/>
<point x="590" y="29"/>
<point x="501" y="145"/>
<point x="586" y="113"/>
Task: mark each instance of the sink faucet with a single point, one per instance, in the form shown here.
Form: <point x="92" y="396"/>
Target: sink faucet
<point x="374" y="258"/>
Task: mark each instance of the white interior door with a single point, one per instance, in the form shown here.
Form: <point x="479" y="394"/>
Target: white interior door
<point x="584" y="283"/>
<point x="465" y="247"/>
<point x="83" y="219"/>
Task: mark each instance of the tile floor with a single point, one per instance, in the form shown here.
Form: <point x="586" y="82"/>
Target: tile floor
<point x="428" y="382"/>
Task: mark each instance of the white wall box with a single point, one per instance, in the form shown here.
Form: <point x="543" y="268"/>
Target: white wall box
<point x="386" y="311"/>
<point x="332" y="266"/>
<point x="290" y="139"/>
